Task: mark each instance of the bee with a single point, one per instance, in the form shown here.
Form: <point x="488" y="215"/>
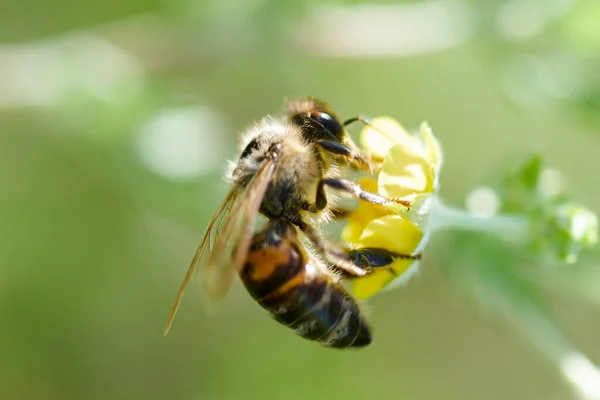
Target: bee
<point x="283" y="171"/>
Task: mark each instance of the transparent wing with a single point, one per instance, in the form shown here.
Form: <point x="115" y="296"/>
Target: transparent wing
<point x="209" y="236"/>
<point x="231" y="229"/>
<point x="232" y="245"/>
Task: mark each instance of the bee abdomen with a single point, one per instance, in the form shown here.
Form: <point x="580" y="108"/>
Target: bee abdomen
<point x="320" y="310"/>
<point x="281" y="277"/>
<point x="270" y="265"/>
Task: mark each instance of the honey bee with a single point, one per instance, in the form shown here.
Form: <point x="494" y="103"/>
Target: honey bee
<point x="282" y="173"/>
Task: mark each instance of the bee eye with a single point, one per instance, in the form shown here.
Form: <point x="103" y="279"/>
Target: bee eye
<point x="253" y="145"/>
<point x="331" y="123"/>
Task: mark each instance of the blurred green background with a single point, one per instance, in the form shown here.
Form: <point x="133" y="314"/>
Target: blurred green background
<point x="116" y="121"/>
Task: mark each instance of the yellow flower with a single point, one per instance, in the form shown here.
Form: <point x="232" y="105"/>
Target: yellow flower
<point x="410" y="170"/>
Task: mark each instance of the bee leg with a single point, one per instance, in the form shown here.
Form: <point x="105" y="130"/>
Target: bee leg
<point x="320" y="200"/>
<point x="356" y="191"/>
<point x="335" y="256"/>
<point x="373" y="257"/>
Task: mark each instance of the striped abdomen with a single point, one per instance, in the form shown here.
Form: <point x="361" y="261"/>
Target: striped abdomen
<point x="282" y="278"/>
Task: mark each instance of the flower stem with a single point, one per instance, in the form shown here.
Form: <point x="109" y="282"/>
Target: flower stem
<point x="507" y="226"/>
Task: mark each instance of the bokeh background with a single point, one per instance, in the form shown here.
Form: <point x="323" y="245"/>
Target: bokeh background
<point x="116" y="121"/>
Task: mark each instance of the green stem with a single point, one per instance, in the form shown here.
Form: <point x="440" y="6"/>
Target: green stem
<point x="509" y="227"/>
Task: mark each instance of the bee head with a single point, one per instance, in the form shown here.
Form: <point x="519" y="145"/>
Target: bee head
<point x="320" y="125"/>
<point x="256" y="145"/>
<point x="259" y="140"/>
<point x="317" y="120"/>
<point x="252" y="146"/>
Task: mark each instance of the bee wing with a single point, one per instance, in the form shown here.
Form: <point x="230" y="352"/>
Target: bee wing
<point x="232" y="244"/>
<point x="236" y="216"/>
<point x="211" y="231"/>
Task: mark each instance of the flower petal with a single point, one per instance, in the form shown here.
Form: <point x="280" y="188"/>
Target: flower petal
<point x="391" y="232"/>
<point x="367" y="286"/>
<point x="387" y="133"/>
<point x="404" y="172"/>
<point x="432" y="148"/>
